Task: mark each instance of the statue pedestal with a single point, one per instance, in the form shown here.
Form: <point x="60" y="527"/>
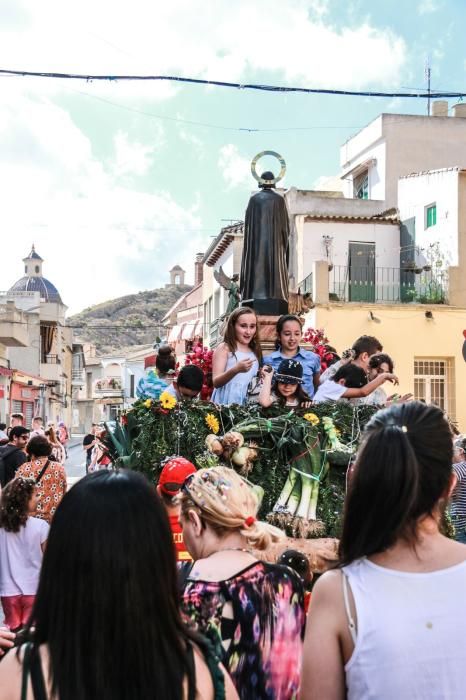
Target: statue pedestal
<point x="267" y="333"/>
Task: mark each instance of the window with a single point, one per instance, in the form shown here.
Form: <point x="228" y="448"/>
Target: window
<point x="431" y="215"/>
<point x="434" y="383"/>
<point x="361" y="186"/>
<point x="37" y="269"/>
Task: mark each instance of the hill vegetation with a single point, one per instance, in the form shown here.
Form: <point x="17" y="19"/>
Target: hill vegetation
<point x="134" y="319"/>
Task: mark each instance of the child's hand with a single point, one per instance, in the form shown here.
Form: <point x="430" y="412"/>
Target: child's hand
<point x="6" y="639"/>
<point x="306" y="404"/>
<point x="389" y="377"/>
<point x="244" y="366"/>
<point x="266" y="373"/>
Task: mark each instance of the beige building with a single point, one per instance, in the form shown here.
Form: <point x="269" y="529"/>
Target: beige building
<point x="184" y="321"/>
<point x="42" y="363"/>
<point x="425" y="341"/>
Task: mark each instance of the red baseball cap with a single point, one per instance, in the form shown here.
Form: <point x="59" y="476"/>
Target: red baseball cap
<point x="174" y="474"/>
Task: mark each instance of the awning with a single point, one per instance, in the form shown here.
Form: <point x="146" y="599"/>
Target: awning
<point x="199" y="329"/>
<point x="356" y="170"/>
<point x="149" y="361"/>
<point x="111" y="401"/>
<point x="188" y="330"/>
<point x="174" y="334"/>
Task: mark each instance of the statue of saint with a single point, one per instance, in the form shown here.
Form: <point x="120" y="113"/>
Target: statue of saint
<point x="264" y="264"/>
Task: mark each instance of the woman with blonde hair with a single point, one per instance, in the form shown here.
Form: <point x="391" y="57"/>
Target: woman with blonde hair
<point x="251" y="610"/>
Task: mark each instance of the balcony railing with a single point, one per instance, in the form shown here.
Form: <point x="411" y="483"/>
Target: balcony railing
<point x="50" y="360"/>
<point x="388" y="284"/>
<point x="108" y="387"/>
<point x="214" y="332"/>
<point x="77" y="377"/>
<point x="306" y="285"/>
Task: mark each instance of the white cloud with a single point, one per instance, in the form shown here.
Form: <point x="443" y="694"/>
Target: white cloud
<point x="235" y="168"/>
<point x="99" y="231"/>
<point x="98" y="235"/>
<point x="426" y="7"/>
<point x="298" y="43"/>
<point x="193" y="141"/>
<point x="131" y="157"/>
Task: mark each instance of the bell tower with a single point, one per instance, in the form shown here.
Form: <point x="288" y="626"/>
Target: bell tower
<point x="33" y="264"/>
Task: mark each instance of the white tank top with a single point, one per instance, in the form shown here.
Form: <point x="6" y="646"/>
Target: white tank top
<point x="411" y="634"/>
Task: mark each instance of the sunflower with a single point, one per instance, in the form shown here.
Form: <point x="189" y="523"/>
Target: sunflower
<point x="148" y="403"/>
<point x="167" y="400"/>
<point x="311" y="418"/>
<point x="212" y="423"/>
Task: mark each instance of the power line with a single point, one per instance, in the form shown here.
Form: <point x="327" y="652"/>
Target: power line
<point x="220" y="127"/>
<point x="226" y="84"/>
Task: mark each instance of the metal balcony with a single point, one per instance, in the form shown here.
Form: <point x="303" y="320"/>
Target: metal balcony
<point x="388" y="285"/>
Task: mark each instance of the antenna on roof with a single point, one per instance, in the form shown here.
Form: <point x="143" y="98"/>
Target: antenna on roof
<point x="427" y="76"/>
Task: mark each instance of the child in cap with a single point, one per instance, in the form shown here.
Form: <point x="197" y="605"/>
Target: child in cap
<point x="284" y="386"/>
<point x="173" y="475"/>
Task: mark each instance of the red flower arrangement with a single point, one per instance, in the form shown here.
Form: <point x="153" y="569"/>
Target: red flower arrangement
<point x="320" y="345"/>
<point x="202" y="357"/>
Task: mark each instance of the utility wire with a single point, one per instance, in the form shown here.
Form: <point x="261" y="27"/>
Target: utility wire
<point x="226" y="84"/>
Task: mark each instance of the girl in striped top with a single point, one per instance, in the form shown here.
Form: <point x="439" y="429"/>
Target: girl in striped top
<point x="458" y="497"/>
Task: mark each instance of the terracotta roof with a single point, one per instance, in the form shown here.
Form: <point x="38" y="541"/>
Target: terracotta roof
<point x="457" y="169"/>
<point x="390" y="216"/>
<point x="222" y="241"/>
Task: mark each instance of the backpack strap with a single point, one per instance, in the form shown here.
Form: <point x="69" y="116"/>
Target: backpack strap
<point x="25" y="673"/>
<point x="191" y="672"/>
<point x="42" y="471"/>
<point x="37" y="676"/>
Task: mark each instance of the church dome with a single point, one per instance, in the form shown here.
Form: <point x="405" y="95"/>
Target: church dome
<point x="48" y="291"/>
<point x="33" y="281"/>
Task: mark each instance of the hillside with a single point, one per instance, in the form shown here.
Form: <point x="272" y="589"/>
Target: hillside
<point x="138" y="314"/>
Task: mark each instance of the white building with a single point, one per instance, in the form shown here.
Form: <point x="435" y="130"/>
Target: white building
<point x="396" y="145"/>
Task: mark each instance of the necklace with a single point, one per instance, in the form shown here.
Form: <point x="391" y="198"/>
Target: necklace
<point x="231" y="549"/>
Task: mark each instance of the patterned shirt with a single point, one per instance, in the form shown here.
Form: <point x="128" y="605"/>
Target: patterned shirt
<point x="255" y="620"/>
<point x="50" y="489"/>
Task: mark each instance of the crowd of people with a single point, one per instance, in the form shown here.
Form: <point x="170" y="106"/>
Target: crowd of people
<point x="289" y="376"/>
<point x="124" y="589"/>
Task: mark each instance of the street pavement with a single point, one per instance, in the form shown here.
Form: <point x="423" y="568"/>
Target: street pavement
<point x="75" y="465"/>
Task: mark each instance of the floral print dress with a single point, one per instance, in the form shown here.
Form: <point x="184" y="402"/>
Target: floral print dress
<point x="256" y="622"/>
<point x="50" y="489"/>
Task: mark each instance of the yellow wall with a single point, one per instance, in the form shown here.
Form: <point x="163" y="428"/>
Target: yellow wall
<point x="405" y="333"/>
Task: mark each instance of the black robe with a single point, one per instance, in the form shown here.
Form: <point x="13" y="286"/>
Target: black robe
<point x="264" y="264"/>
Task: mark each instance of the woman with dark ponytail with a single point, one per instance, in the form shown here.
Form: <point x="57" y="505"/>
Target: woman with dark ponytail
<point x="165" y="364"/>
<point x="390" y="621"/>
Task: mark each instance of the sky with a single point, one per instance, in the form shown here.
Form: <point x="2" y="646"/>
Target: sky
<point x="116" y="182"/>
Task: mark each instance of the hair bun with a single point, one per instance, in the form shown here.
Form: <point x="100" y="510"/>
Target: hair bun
<point x="165" y="351"/>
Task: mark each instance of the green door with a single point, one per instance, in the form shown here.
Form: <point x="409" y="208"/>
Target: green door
<point x="361" y="272"/>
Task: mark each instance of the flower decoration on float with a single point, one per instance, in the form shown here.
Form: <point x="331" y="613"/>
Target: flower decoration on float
<point x="212" y="423"/>
<point x="167" y="401"/>
<point x="148" y="403"/>
<point x="311" y="418"/>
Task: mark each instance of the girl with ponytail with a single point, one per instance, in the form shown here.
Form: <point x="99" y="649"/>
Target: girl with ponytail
<point x="389" y="622"/>
<point x="251" y="610"/>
